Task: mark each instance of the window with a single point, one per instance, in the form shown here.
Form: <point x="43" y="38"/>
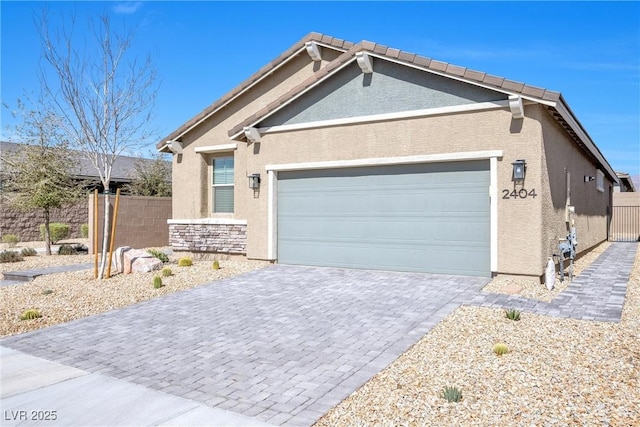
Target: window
<point x="223" y="184"/>
<point x="600" y="180"/>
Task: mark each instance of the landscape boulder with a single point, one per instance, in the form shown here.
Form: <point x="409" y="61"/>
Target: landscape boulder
<point x="139" y="261"/>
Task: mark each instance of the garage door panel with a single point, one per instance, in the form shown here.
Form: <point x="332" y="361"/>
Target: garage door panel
<point x="409" y="218"/>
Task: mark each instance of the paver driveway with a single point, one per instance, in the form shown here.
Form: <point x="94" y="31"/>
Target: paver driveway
<point x="283" y="344"/>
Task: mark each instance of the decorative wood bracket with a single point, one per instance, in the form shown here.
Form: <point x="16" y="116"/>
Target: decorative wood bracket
<point x="364" y="62"/>
<point x="313" y="50"/>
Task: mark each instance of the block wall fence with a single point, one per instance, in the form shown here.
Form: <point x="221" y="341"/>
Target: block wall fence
<point x="141" y="221"/>
<point x="26" y="225"/>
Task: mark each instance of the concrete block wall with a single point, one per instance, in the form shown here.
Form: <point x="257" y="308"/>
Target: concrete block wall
<point x="141" y="221"/>
<point x="26" y="225"/>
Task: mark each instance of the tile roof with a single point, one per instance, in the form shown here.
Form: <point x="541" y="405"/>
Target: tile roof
<point x="473" y="76"/>
<point x="575" y="129"/>
<point x="255" y="77"/>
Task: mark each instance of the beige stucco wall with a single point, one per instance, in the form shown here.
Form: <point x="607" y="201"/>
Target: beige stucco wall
<point x="559" y="156"/>
<point x="528" y="228"/>
<point x="518" y="220"/>
<point x="191" y="191"/>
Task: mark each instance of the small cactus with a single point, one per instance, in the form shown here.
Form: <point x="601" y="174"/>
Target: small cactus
<point x="30" y="314"/>
<point x="157" y="282"/>
<point x="185" y="262"/>
<point x="47" y="292"/>
<point x="216" y="265"/>
<point x="500" y="349"/>
<point x="512" y="314"/>
<point x="166" y="272"/>
<point x="451" y="394"/>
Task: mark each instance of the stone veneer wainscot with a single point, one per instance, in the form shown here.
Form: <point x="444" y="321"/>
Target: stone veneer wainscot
<point x="208" y="235"/>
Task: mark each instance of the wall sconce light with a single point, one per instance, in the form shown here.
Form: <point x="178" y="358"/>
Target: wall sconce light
<point x="254" y="181"/>
<point x="519" y="170"/>
<point x="588" y="178"/>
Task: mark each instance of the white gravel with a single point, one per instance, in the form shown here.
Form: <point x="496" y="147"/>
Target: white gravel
<point x="63" y="297"/>
<point x="558" y="372"/>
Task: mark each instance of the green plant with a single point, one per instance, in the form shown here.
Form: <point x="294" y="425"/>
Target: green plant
<point x="30" y="314"/>
<point x="28" y="252"/>
<point x="500" y="349"/>
<point x="158" y="254"/>
<point x="185" y="262"/>
<point x="58" y="231"/>
<point x="84" y="230"/>
<point x="10" y="256"/>
<point x="166" y="272"/>
<point x="451" y="394"/>
<point x="157" y="282"/>
<point x="67" y="250"/>
<point x="216" y="265"/>
<point x="47" y="292"/>
<point x="512" y="314"/>
<point x="10" y="239"/>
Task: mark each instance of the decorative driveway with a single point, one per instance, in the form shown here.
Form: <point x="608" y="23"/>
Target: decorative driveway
<point x="283" y="344"/>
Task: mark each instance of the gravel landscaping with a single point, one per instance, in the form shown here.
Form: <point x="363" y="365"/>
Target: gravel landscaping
<point x="558" y="372"/>
<point x="63" y="297"/>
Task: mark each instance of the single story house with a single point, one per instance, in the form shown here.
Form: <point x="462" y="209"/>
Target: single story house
<point x="364" y="156"/>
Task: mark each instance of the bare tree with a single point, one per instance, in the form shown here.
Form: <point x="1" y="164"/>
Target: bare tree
<point x="38" y="176"/>
<point x="105" y="95"/>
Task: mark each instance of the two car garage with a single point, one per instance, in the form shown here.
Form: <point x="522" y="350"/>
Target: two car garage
<point x="422" y="217"/>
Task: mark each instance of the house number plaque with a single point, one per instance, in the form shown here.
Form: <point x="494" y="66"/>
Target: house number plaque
<point x="518" y="194"/>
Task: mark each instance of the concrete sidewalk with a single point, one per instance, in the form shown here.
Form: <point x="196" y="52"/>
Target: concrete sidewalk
<point x="36" y="391"/>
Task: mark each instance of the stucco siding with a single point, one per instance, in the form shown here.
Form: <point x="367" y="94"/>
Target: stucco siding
<point x="518" y="220"/>
<point x="191" y="174"/>
<point x="559" y="156"/>
<point x="391" y="88"/>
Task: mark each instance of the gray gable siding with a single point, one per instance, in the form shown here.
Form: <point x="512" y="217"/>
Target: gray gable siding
<point x="391" y="88"/>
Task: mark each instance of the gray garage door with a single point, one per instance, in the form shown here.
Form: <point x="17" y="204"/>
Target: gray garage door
<point x="421" y="217"/>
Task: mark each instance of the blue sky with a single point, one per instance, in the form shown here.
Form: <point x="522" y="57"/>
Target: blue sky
<point x="589" y="51"/>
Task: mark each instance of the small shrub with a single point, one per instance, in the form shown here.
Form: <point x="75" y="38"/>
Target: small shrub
<point x="512" y="314"/>
<point x="30" y="314"/>
<point x="84" y="230"/>
<point x="28" y="252"/>
<point x="216" y="265"/>
<point x="500" y="349"/>
<point x="47" y="292"/>
<point x="452" y="394"/>
<point x="166" y="272"/>
<point x="10" y="239"/>
<point x="185" y="262"/>
<point x="157" y="282"/>
<point x="10" y="256"/>
<point x="158" y="254"/>
<point x="67" y="250"/>
<point x="58" y="231"/>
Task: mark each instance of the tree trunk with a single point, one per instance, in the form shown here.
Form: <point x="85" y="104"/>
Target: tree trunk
<point x="47" y="233"/>
<point x="105" y="235"/>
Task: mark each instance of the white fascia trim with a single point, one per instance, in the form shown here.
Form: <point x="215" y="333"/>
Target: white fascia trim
<point x="584" y="137"/>
<point x="493" y="214"/>
<point x="253" y="124"/>
<point x="462" y="79"/>
<point x="388" y="116"/>
<point x="272" y="215"/>
<point x="209" y="221"/>
<point x="216" y="148"/>
<point x="293" y="55"/>
<point x="426" y="158"/>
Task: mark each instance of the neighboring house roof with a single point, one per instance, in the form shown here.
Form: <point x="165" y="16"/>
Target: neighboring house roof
<point x="552" y="100"/>
<point x="122" y="171"/>
<point x="625" y="181"/>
